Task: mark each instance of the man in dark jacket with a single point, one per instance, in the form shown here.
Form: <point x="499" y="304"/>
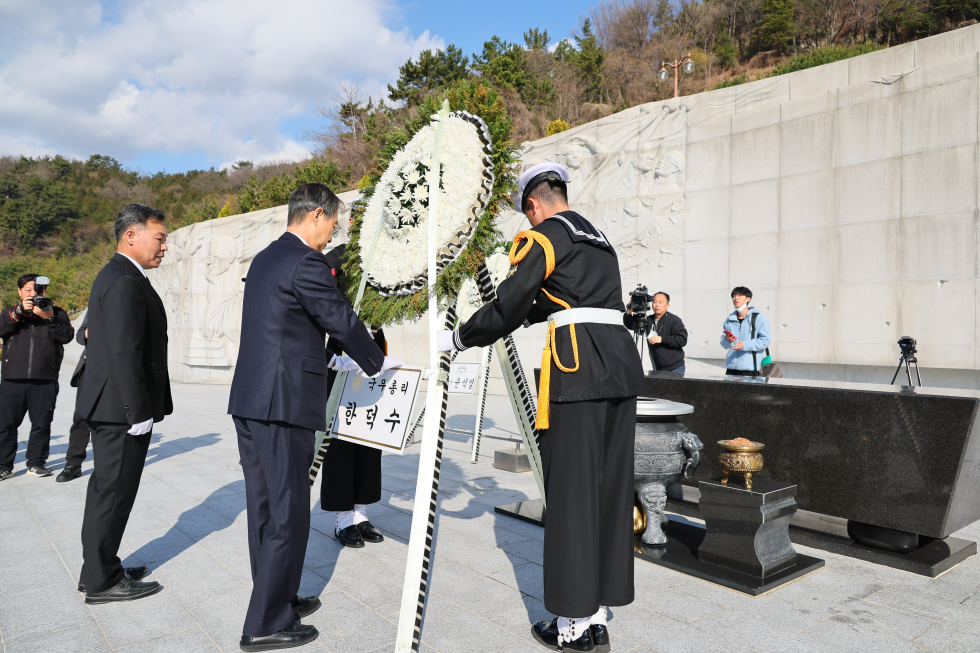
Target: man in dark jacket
<point x="125" y="391"/>
<point x="665" y="333"/>
<point x="78" y="433"/>
<point x="278" y="401"/>
<point x="33" y="345"/>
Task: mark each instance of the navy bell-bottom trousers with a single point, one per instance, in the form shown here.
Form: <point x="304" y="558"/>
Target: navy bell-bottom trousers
<point x="276" y="459"/>
<point x="587" y="456"/>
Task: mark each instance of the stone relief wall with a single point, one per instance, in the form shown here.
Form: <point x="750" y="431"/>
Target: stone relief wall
<point x="844" y="196"/>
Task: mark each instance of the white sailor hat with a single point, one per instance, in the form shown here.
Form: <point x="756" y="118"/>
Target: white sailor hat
<point x="534" y="176"/>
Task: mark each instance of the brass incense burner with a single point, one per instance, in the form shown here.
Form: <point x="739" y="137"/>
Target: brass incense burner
<point x="743" y="459"/>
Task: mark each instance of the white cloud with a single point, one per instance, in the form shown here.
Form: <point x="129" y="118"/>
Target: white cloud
<point x="216" y="77"/>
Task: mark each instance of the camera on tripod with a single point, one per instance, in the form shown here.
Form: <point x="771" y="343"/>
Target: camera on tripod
<point x="907" y="346"/>
<point x="640" y="300"/>
<point x="640" y="305"/>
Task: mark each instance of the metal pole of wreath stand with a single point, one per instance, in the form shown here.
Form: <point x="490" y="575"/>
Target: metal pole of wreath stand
<point x="418" y="568"/>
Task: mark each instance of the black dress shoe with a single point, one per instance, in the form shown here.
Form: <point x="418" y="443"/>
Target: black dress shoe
<point x="135" y="573"/>
<point x="369" y="533"/>
<point x="69" y="473"/>
<point x="305" y="607"/>
<point x="351" y="537"/>
<point x="295" y="635"/>
<point x="600" y="637"/>
<point x="125" y="590"/>
<point x="546" y="634"/>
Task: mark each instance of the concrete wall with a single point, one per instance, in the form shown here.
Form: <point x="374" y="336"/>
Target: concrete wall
<point x="844" y="196"/>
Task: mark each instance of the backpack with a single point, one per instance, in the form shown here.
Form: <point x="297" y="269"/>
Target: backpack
<point x="768" y="367"/>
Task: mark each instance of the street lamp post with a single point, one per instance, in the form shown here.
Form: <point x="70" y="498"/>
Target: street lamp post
<point x="684" y="63"/>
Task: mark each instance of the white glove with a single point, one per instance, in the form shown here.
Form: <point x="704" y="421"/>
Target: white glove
<point x="390" y="363"/>
<point x="445" y="340"/>
<point x="142" y="428"/>
<point x="343" y="364"/>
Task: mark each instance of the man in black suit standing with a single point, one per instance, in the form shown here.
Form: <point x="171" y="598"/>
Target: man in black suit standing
<point x="278" y="401"/>
<point x="124" y="391"/>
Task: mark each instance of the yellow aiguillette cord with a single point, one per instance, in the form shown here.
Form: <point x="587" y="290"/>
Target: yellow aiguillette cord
<point x="542" y="420"/>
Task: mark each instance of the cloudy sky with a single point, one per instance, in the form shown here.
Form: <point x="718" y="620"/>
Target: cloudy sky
<point x="197" y="83"/>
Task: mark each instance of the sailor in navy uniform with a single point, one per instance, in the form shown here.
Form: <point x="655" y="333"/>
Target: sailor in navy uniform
<point x="565" y="272"/>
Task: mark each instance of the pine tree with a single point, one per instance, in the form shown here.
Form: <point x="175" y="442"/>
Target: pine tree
<point x="724" y="50"/>
<point x="664" y="16"/>
<point x="433" y="70"/>
<point x="565" y="52"/>
<point x="776" y="28"/>
<point x="225" y="210"/>
<point x="503" y="64"/>
<point x="590" y="60"/>
<point x="536" y="39"/>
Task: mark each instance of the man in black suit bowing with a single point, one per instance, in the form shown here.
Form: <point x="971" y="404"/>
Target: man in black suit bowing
<point x="278" y="401"/>
<point x="125" y="390"/>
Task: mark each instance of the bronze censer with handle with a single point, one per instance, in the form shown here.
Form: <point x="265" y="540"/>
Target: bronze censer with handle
<point x="740" y="456"/>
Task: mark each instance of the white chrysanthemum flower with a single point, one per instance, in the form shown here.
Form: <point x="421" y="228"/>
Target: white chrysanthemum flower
<point x="400" y="261"/>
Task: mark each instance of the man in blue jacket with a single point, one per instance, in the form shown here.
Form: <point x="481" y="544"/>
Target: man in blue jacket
<point x="279" y="400"/>
<point x="745" y="335"/>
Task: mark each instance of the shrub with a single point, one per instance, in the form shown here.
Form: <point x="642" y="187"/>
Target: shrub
<point x="556" y="127"/>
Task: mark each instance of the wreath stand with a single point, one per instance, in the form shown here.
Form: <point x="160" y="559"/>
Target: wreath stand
<point x="419" y="565"/>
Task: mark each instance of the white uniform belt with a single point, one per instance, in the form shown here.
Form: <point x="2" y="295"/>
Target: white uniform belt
<point x="587" y="315"/>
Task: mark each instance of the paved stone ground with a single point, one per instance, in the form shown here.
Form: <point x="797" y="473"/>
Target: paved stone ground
<point x="188" y="526"/>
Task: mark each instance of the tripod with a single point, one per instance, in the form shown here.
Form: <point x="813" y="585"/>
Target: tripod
<point x="639" y="336"/>
<point x="905" y="360"/>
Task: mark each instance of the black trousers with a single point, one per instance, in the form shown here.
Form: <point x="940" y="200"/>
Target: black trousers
<point x="587" y="456"/>
<point x="741" y="373"/>
<point x="119" y="458"/>
<point x="19" y="398"/>
<point x="276" y="459"/>
<point x="351" y="474"/>
<point x="77" y="435"/>
<point x="77" y="441"/>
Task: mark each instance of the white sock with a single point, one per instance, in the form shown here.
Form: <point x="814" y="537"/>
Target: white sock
<point x="570" y="628"/>
<point x="360" y="513"/>
<point x="599" y="618"/>
<point x="345" y="518"/>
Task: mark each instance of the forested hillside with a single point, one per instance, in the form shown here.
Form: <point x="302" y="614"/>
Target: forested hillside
<point x="56" y="214"/>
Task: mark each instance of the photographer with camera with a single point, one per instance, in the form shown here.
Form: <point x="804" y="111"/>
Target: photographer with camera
<point x="34" y="334"/>
<point x="665" y="333"/>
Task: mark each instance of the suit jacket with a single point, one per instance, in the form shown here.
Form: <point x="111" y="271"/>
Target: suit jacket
<point x="291" y="303"/>
<point x="585" y="275"/>
<point x="126" y="378"/>
<point x="83" y="341"/>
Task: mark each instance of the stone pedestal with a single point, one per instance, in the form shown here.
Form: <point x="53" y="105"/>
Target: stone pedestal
<point x="748" y="530"/>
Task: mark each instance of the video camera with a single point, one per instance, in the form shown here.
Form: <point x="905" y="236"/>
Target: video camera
<point x="640" y="300"/>
<point x="907" y="345"/>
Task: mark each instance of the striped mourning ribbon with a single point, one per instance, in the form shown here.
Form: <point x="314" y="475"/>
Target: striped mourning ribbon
<point x="488" y="293"/>
<point x="433" y="497"/>
<point x="478" y="427"/>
